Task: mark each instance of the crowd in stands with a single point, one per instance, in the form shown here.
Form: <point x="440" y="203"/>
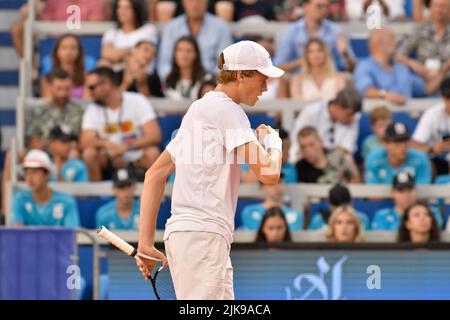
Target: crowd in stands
<point x="117" y="136"/>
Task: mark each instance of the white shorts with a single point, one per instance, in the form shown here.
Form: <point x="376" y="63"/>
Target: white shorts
<point x="200" y="265"/>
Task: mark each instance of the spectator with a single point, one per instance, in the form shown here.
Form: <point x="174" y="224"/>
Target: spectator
<point x="205" y="87"/>
<point x="122" y="213"/>
<point x="248" y="8"/>
<point x="404" y="194"/>
<point x="392" y="10"/>
<point x="292" y="44"/>
<point x="318" y="79"/>
<point x="338" y="196"/>
<point x="421" y="10"/>
<point x="274" y="227"/>
<point x="429" y="44"/>
<point x="117" y="43"/>
<point x="59" y="109"/>
<point x="432" y="134"/>
<point x="223" y="9"/>
<point x="288" y="170"/>
<point x="289" y="10"/>
<point x="67" y="54"/>
<point x="380" y="77"/>
<point x="337" y="11"/>
<point x="380" y="118"/>
<point x="187" y="73"/>
<point x="336" y="122"/>
<point x="344" y="226"/>
<point x="41" y="206"/>
<point x="273" y="197"/>
<point x="55" y="10"/>
<point x="418" y="225"/>
<point x="67" y="169"/>
<point x="212" y="35"/>
<point x="383" y="164"/>
<point x="320" y="166"/>
<point x="119" y="128"/>
<point x="136" y="76"/>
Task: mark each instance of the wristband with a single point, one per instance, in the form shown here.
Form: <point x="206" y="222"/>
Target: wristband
<point x="272" y="141"/>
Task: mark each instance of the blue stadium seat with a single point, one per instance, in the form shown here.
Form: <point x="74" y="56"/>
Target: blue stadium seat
<point x="241" y="204"/>
<point x="409" y="9"/>
<point x="164" y="213"/>
<point x="87" y="208"/>
<point x="261" y="118"/>
<point x="360" y="47"/>
<point x="168" y="124"/>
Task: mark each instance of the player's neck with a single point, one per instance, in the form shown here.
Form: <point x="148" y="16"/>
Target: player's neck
<point x="42" y="195"/>
<point x="230" y="90"/>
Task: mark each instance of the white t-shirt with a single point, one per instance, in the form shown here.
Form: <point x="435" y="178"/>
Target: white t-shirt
<point x="355" y="9"/>
<point x="333" y="135"/>
<point x="433" y="125"/>
<point x="207" y="179"/>
<point x="120" y="39"/>
<point x="122" y="125"/>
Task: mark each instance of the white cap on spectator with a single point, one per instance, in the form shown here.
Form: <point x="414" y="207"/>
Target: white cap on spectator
<point x="38" y="159"/>
<point x="249" y="55"/>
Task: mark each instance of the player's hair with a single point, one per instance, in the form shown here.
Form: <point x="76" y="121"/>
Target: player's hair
<point x="308" y="131"/>
<point x="380" y="113"/>
<point x="273" y="212"/>
<point x="404" y="235"/>
<point x="359" y="237"/>
<point x="225" y="76"/>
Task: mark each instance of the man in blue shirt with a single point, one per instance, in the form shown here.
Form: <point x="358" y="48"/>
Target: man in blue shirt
<point x="122" y="213"/>
<point x="212" y="35"/>
<point x="39" y="205"/>
<point x="380" y="77"/>
<point x="338" y="196"/>
<point x="67" y="169"/>
<point x="292" y="44"/>
<point x="383" y="164"/>
<point x="273" y="197"/>
<point x="404" y="195"/>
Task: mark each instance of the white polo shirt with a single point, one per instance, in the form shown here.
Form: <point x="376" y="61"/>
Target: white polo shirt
<point x="333" y="135"/>
<point x="433" y="125"/>
<point x="207" y="179"/>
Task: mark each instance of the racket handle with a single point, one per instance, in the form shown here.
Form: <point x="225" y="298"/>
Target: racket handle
<point x="119" y="243"/>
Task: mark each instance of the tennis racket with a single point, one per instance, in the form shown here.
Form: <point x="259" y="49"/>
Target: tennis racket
<point x="131" y="251"/>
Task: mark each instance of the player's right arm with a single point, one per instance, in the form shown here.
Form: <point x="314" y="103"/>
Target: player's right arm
<point x="264" y="163"/>
<point x="152" y="193"/>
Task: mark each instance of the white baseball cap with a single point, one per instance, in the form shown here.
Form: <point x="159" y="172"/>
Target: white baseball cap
<point x="249" y="55"/>
<point x="37" y="159"/>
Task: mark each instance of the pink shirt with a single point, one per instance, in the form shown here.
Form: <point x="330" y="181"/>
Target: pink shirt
<point x="55" y="10"/>
<point x="206" y="187"/>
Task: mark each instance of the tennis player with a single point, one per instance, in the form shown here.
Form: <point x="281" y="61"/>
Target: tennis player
<point x="206" y="155"/>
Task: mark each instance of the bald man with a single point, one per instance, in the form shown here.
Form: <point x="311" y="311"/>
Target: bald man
<point x="380" y="77"/>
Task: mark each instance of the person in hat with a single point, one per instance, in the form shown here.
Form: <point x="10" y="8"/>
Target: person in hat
<point x="122" y="213"/>
<point x="66" y="168"/>
<point x="208" y="169"/>
<point x="338" y="196"/>
<point x="397" y="156"/>
<point x="39" y="205"/>
<point x="404" y="195"/>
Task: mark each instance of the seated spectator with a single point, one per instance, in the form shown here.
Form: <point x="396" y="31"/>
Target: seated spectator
<point x="136" y="76"/>
<point x="336" y="122"/>
<point x="273" y="197"/>
<point x="66" y="168"/>
<point x="344" y="226"/>
<point x="117" y="43"/>
<point x="383" y="164"/>
<point x="248" y="8"/>
<point x="336" y="11"/>
<point x="67" y="54"/>
<point x="404" y="194"/>
<point x="212" y="35"/>
<point x="122" y="213"/>
<point x="223" y="9"/>
<point x="289" y="10"/>
<point x="432" y="134"/>
<point x="119" y="128"/>
<point x="291" y="47"/>
<point x="206" y="86"/>
<point x="319" y="166"/>
<point x="380" y="118"/>
<point x="288" y="170"/>
<point x="55" y="10"/>
<point x="273" y="227"/>
<point x="39" y="205"/>
<point x="391" y="10"/>
<point x="429" y="44"/>
<point x="318" y="79"/>
<point x="418" y="225"/>
<point x="338" y="196"/>
<point x="187" y="73"/>
<point x="421" y="10"/>
<point x="380" y="77"/>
